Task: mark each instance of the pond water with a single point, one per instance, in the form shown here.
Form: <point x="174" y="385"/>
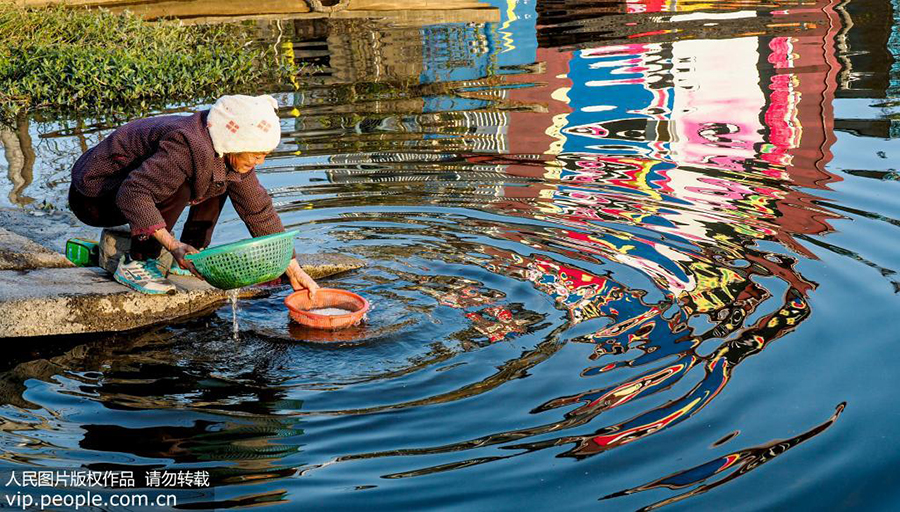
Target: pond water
<point x="580" y="218"/>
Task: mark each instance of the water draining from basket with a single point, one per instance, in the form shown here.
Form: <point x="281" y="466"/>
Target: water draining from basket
<point x="233" y="298"/>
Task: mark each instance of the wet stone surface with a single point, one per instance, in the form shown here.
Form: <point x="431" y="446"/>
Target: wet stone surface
<point x="20" y="253"/>
<point x="56" y="301"/>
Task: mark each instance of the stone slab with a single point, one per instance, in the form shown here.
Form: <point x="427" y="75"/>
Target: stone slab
<point x="325" y="265"/>
<point x="20" y="253"/>
<point x="60" y="301"/>
<point x="81" y="300"/>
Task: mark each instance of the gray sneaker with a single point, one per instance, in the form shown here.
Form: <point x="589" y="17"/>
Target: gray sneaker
<point x="143" y="276"/>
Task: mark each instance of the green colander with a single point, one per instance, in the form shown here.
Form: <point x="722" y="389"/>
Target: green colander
<point x="247" y="262"/>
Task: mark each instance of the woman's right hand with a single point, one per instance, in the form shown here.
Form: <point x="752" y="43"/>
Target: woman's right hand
<point x="300" y="280"/>
<point x="179" y="252"/>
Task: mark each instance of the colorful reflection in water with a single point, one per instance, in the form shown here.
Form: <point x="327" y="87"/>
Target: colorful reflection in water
<point x="580" y="219"/>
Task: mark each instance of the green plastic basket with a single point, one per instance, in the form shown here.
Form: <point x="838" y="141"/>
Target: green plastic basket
<point x="247" y="262"/>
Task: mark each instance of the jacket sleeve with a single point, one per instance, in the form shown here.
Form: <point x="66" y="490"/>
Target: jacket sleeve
<point x="155" y="180"/>
<point x="254" y="206"/>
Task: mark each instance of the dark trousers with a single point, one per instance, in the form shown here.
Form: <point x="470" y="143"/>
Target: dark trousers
<point x="102" y="212"/>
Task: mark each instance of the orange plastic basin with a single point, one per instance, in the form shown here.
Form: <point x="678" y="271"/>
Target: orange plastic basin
<point x="299" y="305"/>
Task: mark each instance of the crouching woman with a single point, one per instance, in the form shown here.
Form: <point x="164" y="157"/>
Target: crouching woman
<point x="146" y="173"/>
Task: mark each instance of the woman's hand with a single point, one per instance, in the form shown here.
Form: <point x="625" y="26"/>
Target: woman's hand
<point x="177" y="249"/>
<point x="300" y="280"/>
<point x="179" y="252"/>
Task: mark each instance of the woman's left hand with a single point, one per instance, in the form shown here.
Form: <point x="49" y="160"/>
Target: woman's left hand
<point x="179" y="253"/>
<point x="300" y="280"/>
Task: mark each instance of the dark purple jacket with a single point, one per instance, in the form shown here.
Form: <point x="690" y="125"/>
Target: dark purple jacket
<point x="145" y="161"/>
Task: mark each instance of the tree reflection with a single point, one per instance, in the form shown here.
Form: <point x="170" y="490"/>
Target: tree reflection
<point x="20" y="158"/>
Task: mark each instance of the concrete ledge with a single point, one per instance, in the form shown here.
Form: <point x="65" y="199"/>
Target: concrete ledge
<point x="43" y="294"/>
<point x="324" y="265"/>
<point x="57" y="301"/>
<point x="20" y="253"/>
<point x="79" y="300"/>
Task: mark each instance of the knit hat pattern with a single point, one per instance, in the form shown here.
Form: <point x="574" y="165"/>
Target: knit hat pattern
<point x="240" y="123"/>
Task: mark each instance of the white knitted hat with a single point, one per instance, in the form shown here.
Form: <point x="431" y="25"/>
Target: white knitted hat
<point x="244" y="123"/>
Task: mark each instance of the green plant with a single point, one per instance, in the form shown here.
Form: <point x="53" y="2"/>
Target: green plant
<point x="72" y="62"/>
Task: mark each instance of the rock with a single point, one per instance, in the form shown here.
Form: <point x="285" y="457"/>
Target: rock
<point x="80" y="300"/>
<point x="49" y="229"/>
<point x="114" y="242"/>
<point x="43" y="294"/>
<point x="57" y="301"/>
<point x="324" y="265"/>
<point x="20" y="253"/>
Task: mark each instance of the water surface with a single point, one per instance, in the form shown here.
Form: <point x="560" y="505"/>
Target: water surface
<point x="621" y="255"/>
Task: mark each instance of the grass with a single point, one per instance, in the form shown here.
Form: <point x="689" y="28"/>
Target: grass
<point x="77" y="63"/>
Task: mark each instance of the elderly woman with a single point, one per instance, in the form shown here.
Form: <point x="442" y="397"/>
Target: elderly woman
<point x="146" y="172"/>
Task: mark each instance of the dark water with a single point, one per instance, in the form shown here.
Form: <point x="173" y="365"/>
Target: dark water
<point x="622" y="255"/>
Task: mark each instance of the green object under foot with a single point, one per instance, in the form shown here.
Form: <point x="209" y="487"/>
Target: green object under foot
<point x="83" y="253"/>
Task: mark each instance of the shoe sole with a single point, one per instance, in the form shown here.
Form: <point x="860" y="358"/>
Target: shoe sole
<point x="139" y="290"/>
